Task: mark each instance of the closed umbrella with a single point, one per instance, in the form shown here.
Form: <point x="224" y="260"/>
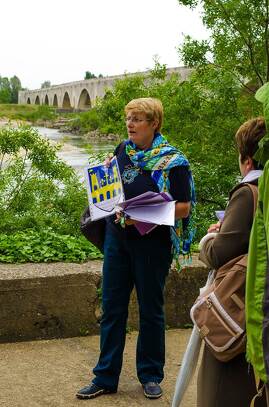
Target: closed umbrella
<point x="190" y="359"/>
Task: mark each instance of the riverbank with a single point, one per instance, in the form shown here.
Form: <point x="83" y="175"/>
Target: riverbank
<point x="65" y="147"/>
<point x="4" y="121"/>
<point x="30" y="113"/>
<point x="63" y="125"/>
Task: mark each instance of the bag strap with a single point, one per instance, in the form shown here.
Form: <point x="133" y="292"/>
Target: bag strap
<point x="243" y="258"/>
<point x="259" y="389"/>
<point x="254" y="190"/>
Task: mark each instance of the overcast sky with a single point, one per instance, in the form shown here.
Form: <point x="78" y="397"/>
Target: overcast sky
<point x="59" y="40"/>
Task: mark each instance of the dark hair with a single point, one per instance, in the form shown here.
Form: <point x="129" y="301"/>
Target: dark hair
<point x="248" y="136"/>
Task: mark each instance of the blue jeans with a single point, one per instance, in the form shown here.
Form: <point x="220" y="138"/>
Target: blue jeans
<point x="143" y="263"/>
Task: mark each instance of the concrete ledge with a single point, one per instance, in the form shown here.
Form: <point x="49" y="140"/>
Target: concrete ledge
<point x="42" y="301"/>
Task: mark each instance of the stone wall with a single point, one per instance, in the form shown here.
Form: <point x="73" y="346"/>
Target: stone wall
<point x="42" y="301"/>
<point x="82" y="94"/>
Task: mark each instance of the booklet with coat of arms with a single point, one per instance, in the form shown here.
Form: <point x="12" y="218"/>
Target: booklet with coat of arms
<point x="104" y="189"/>
<point x="106" y="196"/>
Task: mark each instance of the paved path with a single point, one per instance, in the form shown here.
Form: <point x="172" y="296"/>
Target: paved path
<point x="48" y="373"/>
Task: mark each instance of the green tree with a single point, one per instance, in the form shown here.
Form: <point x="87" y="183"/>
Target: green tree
<point x="15" y="86"/>
<point x="5" y="90"/>
<point x="229" y="67"/>
<point x="41" y="201"/>
<point x="46" y="84"/>
<point x="238" y="43"/>
<point x="89" y="75"/>
<point x="37" y="189"/>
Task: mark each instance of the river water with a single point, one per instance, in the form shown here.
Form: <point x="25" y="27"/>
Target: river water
<point x="75" y="151"/>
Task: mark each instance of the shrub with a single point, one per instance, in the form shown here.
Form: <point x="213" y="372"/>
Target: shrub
<point x="45" y="246"/>
<point x="41" y="201"/>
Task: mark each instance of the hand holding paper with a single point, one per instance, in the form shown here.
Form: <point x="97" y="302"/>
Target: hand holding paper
<point x="105" y="192"/>
<point x="149" y="210"/>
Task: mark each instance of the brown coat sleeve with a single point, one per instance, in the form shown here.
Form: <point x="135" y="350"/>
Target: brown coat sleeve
<point x="233" y="238"/>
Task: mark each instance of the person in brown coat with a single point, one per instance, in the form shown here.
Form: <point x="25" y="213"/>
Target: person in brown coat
<point x="232" y="384"/>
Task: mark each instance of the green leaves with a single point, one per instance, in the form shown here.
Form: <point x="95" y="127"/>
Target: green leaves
<point x="45" y="246"/>
<point x="25" y="141"/>
<point x="9" y="89"/>
<point x="195" y="53"/>
<point x="262" y="95"/>
<point x="190" y="3"/>
<point x="41" y="201"/>
<point x="262" y="155"/>
<point x="30" y="113"/>
<point x="239" y="38"/>
<point x="37" y="190"/>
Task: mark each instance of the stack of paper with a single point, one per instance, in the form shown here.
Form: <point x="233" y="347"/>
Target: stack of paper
<point x="149" y="210"/>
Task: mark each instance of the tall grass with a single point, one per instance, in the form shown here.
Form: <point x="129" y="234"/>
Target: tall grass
<point x="30" y="113"/>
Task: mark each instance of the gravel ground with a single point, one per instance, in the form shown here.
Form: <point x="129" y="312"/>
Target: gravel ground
<point x="48" y="373"/>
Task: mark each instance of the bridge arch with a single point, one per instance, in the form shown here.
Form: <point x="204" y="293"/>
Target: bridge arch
<point x="28" y="101"/>
<point x="82" y="94"/>
<point x="66" y="101"/>
<point x="55" y="101"/>
<point x="84" y="101"/>
<point x="46" y="101"/>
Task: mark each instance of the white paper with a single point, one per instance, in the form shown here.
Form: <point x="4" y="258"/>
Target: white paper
<point x="159" y="214"/>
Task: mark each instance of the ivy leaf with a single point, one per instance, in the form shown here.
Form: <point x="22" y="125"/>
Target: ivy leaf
<point x="262" y="154"/>
<point x="262" y="95"/>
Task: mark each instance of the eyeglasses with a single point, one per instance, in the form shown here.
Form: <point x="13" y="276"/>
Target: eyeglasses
<point x="134" y="120"/>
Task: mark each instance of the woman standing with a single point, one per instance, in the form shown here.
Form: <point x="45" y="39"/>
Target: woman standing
<point x="222" y="384"/>
<point x="147" y="163"/>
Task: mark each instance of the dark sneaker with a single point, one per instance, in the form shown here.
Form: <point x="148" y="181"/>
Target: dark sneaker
<point x="91" y="391"/>
<point x="152" y="390"/>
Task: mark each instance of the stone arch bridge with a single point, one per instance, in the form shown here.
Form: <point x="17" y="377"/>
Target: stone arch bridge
<point x="80" y="95"/>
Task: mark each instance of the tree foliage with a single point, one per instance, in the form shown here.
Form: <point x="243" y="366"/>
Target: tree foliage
<point x="37" y="190"/>
<point x="239" y="39"/>
<point x="89" y="75"/>
<point x="9" y="89"/>
<point x="45" y="246"/>
<point x="45" y="84"/>
<point x="41" y="201"/>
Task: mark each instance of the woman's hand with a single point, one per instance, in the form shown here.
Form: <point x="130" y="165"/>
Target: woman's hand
<point x="129" y="222"/>
<point x="108" y="160"/>
<point x="215" y="227"/>
<point x="121" y="218"/>
<point x="182" y="209"/>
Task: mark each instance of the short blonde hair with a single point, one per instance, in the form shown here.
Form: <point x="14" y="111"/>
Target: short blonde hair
<point x="152" y="108"/>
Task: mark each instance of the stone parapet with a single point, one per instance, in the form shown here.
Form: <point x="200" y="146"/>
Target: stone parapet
<point x="82" y="95"/>
<point x="57" y="300"/>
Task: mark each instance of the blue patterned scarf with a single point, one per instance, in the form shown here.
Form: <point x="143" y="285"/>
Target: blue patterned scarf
<point x="159" y="159"/>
